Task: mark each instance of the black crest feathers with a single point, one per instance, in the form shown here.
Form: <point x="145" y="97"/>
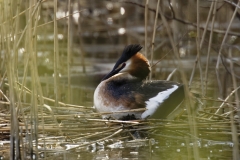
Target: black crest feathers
<point x="128" y="52"/>
<point x="132" y="49"/>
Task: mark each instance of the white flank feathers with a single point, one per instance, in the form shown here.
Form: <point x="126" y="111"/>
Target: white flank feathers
<point x="153" y="103"/>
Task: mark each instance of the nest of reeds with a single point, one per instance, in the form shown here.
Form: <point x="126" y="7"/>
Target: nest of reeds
<point x="74" y="131"/>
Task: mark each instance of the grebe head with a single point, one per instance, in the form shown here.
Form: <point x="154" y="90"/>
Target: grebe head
<point x="132" y="62"/>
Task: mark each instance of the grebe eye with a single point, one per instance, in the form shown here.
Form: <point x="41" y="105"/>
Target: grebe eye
<point x="121" y="66"/>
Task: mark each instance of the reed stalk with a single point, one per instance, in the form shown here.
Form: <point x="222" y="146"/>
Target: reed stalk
<point x="14" y="132"/>
<point x="15" y="41"/>
<point x="33" y="109"/>
<point x="99" y="140"/>
<point x="154" y="35"/>
<point x="214" y="4"/>
<point x="221" y="47"/>
<point x="23" y="32"/>
<point x="56" y="57"/>
<point x="81" y="44"/>
<point x="234" y="81"/>
<point x="69" y="50"/>
<point x="146" y="27"/>
<point x="235" y="139"/>
<point x="210" y="12"/>
<point x="197" y="60"/>
<point x="52" y="100"/>
<point x="189" y="106"/>
<point x="226" y="99"/>
<point x="31" y="126"/>
<point x="37" y="84"/>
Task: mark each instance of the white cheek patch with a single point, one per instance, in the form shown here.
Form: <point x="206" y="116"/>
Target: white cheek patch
<point x="153" y="103"/>
<point x="127" y="66"/>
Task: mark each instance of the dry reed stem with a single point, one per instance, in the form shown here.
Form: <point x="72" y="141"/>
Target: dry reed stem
<point x="216" y="129"/>
<point x="29" y="47"/>
<point x="171" y="74"/>
<point x="81" y="40"/>
<point x="26" y="66"/>
<point x="42" y="25"/>
<point x="154" y="35"/>
<point x="161" y="44"/>
<point x="16" y="16"/>
<point x="53" y="116"/>
<point x="69" y="51"/>
<point x="99" y="140"/>
<point x="3" y="102"/>
<point x="34" y="5"/>
<point x="213" y="115"/>
<point x="6" y="98"/>
<point x="187" y="22"/>
<point x="70" y="121"/>
<point x="221" y="47"/>
<point x="123" y="111"/>
<point x="235" y="139"/>
<point x="207" y="21"/>
<point x="27" y="25"/>
<point x="226" y="99"/>
<point x="56" y="57"/>
<point x="217" y="100"/>
<point x="96" y="134"/>
<point x="52" y="100"/>
<point x="233" y="78"/>
<point x="114" y="121"/>
<point x="2" y="78"/>
<point x="39" y="93"/>
<point x="15" y="65"/>
<point x="198" y="47"/>
<point x="6" y="30"/>
<point x="37" y="81"/>
<point x="198" y="58"/>
<point x="146" y="27"/>
<point x="214" y="4"/>
<point x="232" y="3"/>
<point x="191" y="120"/>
